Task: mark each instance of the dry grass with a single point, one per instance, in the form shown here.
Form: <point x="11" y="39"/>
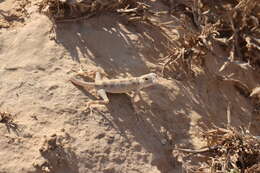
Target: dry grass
<point x="203" y="24"/>
<point x="233" y="25"/>
<point x="228" y="150"/>
<point x="63" y="11"/>
<point x="14" y="16"/>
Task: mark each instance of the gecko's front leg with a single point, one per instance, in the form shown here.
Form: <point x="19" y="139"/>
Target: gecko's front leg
<point x="103" y="95"/>
<point x="135" y="93"/>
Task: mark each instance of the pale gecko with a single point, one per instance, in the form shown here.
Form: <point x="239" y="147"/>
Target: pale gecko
<point x="125" y="85"/>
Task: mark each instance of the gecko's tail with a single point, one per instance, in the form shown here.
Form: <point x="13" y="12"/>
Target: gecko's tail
<point x="81" y="83"/>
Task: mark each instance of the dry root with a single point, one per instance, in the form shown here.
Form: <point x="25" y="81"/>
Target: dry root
<point x="14" y="16"/>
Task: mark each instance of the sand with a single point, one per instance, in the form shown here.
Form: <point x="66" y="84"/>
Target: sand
<point x="55" y="132"/>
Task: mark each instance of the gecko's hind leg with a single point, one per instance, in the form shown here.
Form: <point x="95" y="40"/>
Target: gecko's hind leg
<point x="101" y="93"/>
<point x="104" y="101"/>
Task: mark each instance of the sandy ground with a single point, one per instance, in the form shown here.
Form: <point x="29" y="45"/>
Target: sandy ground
<point x="34" y="73"/>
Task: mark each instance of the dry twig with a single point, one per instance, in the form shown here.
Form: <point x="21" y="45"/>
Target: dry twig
<point x="7" y="119"/>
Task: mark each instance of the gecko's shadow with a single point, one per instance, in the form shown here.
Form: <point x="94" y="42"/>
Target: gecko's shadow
<point x="171" y="118"/>
<point x="146" y="127"/>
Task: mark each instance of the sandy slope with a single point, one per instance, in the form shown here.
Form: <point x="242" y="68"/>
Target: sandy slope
<point x="34" y="72"/>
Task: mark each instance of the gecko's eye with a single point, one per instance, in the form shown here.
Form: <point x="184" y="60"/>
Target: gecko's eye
<point x="146" y="78"/>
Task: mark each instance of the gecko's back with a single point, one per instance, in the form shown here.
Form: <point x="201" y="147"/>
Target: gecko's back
<point x="121" y="85"/>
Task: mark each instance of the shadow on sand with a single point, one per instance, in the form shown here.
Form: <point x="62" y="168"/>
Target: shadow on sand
<point x="120" y="49"/>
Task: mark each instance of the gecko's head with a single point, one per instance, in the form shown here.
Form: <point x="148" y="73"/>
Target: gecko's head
<point x="149" y="79"/>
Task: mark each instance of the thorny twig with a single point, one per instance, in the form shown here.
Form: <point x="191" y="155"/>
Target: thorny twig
<point x="7" y="119"/>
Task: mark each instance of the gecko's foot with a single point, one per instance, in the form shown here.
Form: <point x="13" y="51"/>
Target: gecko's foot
<point x="89" y="108"/>
<point x="137" y="112"/>
<point x="86" y="108"/>
<point x="90" y="105"/>
<point x="138" y="116"/>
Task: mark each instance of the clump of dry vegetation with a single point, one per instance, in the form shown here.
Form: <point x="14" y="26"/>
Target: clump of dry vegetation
<point x="228" y="150"/>
<point x="232" y="25"/>
<point x="16" y="15"/>
<point x="64" y="10"/>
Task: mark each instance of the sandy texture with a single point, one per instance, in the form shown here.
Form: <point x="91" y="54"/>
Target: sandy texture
<point x="56" y="134"/>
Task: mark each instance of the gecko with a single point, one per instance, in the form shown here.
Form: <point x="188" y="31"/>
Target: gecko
<point x="125" y="85"/>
